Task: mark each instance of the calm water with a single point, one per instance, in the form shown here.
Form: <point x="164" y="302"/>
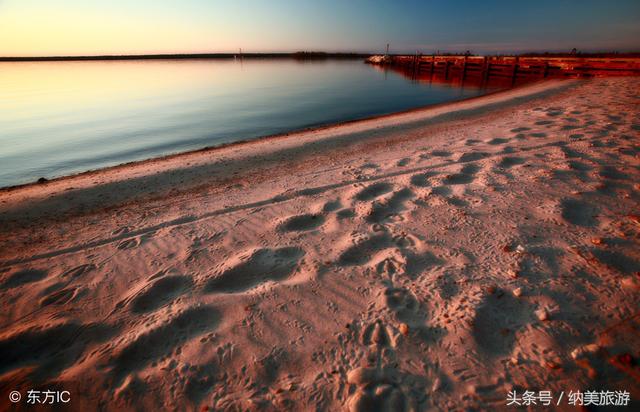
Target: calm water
<point x="58" y="118"/>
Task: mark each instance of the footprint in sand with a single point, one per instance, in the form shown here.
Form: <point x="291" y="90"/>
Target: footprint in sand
<point x="553" y="112"/>
<point x="50" y="350"/>
<point x="376" y="334"/>
<point x="510" y="161"/>
<point x="332" y="206"/>
<point x="22" y="277"/>
<point x="422" y="179"/>
<point x="610" y="172"/>
<point x="390" y="266"/>
<point x="579" y="212"/>
<point x="579" y="166"/>
<point x="570" y="153"/>
<point x="377" y="389"/>
<point x="346" y="213"/>
<point x="466" y="175"/>
<point x="78" y="271"/>
<point x="497" y="141"/>
<point x="255" y="268"/>
<point x="162" y="291"/>
<point x="128" y="244"/>
<point x="472" y="156"/>
<point x="441" y="191"/>
<point x="446" y="287"/>
<point x="121" y="231"/>
<point x="373" y="191"/>
<point x="391" y="207"/>
<point x="617" y="260"/>
<point x="497" y="319"/>
<point x="378" y="386"/>
<point x="441" y="153"/>
<point x="360" y="253"/>
<point x="162" y="340"/>
<point x="579" y="170"/>
<point x="404" y="305"/>
<point x="302" y="223"/>
<point x="59" y="297"/>
<point x="369" y="165"/>
<point x="419" y="263"/>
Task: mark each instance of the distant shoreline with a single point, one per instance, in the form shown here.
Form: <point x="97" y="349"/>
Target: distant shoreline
<point x="297" y="55"/>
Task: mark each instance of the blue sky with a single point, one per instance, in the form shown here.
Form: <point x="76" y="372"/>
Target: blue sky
<point x="46" y="27"/>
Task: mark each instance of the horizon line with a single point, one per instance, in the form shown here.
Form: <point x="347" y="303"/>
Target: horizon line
<point x="299" y="54"/>
<point x="207" y="55"/>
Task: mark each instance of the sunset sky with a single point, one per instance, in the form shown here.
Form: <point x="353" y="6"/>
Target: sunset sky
<point x="86" y="27"/>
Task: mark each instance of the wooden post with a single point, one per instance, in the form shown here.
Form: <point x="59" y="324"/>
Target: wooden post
<point x="414" y="65"/>
<point x="464" y="67"/>
<point x="487" y="68"/>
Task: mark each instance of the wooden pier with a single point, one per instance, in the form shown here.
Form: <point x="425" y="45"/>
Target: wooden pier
<point x="487" y="68"/>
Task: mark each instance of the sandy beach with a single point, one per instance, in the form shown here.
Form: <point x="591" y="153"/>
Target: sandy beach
<point x="436" y="259"/>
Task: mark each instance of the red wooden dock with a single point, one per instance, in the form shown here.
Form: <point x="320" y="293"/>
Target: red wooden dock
<point x="486" y="68"/>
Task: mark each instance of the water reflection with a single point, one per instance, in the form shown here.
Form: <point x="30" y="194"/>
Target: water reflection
<point x="477" y="81"/>
<point x="58" y="118"/>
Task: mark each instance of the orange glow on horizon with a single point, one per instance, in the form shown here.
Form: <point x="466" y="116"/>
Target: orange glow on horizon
<point x="67" y="34"/>
<point x="76" y="27"/>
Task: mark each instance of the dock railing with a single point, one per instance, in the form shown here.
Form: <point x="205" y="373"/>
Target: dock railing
<point x="514" y="67"/>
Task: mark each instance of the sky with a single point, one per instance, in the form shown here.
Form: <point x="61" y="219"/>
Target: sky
<point x="96" y="27"/>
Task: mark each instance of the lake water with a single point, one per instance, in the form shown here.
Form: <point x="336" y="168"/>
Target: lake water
<point x="59" y="118"/>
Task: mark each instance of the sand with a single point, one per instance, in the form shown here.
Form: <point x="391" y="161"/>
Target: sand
<point x="430" y="260"/>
